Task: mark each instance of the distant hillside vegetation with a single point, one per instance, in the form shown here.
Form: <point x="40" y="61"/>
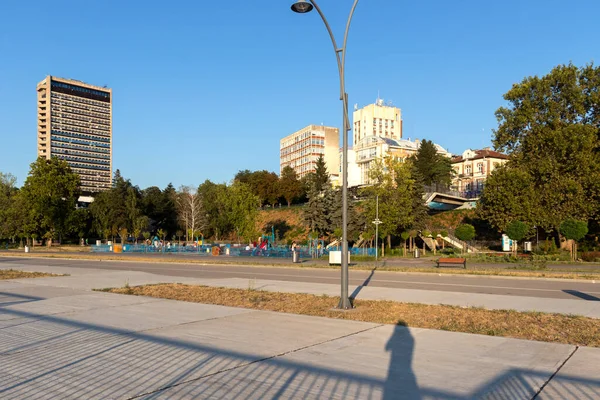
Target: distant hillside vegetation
<point x="287" y="222"/>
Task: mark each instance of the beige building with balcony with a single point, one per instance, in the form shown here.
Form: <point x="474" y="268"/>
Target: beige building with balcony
<point x="301" y="149"/>
<point x="371" y="148"/>
<point x="377" y="120"/>
<point x="472" y="169"/>
<point x="75" y="124"/>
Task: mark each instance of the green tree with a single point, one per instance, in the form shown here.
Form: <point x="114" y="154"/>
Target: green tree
<point x="263" y="184"/>
<point x="319" y="180"/>
<point x="465" y="232"/>
<point x="8" y="191"/>
<point x="318" y="213"/>
<point x="509" y="194"/>
<point x="400" y="198"/>
<point x="432" y="168"/>
<point x="242" y="209"/>
<point x="551" y="130"/>
<point x="289" y="184"/>
<point x="573" y="230"/>
<point x="217" y="221"/>
<point x="50" y="192"/>
<point x="517" y="231"/>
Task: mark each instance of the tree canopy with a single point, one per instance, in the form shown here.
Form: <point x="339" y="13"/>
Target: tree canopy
<point x="573" y="229"/>
<point x="49" y="195"/>
<point x="517" y="230"/>
<point x="465" y="232"/>
<point x="551" y="130"/>
<point x="430" y="167"/>
<point x="400" y="198"/>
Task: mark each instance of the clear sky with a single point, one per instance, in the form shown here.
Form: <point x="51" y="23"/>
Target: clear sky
<point x="202" y="89"/>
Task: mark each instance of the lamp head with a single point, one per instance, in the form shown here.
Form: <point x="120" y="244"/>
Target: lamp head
<point x="302" y="7"/>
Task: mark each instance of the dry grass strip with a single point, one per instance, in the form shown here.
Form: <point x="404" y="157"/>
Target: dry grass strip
<point x="15" y="274"/>
<point x="555" y="328"/>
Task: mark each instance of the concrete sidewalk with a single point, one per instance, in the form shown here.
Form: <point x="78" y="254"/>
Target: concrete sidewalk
<point x="60" y="340"/>
<point x="96" y="279"/>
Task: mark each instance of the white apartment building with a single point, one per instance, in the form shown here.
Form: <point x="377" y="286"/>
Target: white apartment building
<point x="371" y="148"/>
<point x="301" y="149"/>
<point x="377" y="120"/>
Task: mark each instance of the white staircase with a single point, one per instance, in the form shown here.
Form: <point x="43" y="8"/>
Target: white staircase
<point x="459" y="244"/>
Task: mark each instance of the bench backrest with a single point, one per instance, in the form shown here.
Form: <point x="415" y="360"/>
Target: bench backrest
<point x="452" y="260"/>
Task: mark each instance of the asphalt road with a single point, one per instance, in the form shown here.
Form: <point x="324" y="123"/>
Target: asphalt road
<point x="585" y="291"/>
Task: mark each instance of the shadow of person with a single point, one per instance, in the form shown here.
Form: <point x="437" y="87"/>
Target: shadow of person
<point x="401" y="382"/>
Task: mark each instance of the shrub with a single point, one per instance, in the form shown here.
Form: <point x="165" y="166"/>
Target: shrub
<point x="465" y="232"/>
<point x="590" y="256"/>
<point x="548" y="247"/>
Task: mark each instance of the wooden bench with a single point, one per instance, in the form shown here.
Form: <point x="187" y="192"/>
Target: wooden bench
<point x="452" y="261"/>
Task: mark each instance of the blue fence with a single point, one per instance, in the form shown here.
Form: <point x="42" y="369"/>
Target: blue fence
<point x="234" y="251"/>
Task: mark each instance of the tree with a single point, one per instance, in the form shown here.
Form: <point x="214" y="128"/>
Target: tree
<point x="517" y="231"/>
<point x="191" y="212"/>
<point x="123" y="235"/>
<point x="551" y="130"/>
<point x="509" y="194"/>
<point x="318" y="213"/>
<point x="432" y="168"/>
<point x="465" y="232"/>
<point x="50" y="191"/>
<point x="140" y="224"/>
<point x="162" y="234"/>
<point x="289" y="184"/>
<point x="573" y="230"/>
<point x="263" y="184"/>
<point x="400" y="197"/>
<point x="320" y="179"/>
<point x="215" y="211"/>
<point x="405" y="236"/>
<point x="242" y="209"/>
<point x="8" y="191"/>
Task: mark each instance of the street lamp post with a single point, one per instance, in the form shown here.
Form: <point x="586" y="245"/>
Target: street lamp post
<point x="376" y="222"/>
<point x="302" y="7"/>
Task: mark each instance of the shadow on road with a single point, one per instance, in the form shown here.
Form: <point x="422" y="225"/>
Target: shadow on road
<point x="581" y="295"/>
<point x="359" y="287"/>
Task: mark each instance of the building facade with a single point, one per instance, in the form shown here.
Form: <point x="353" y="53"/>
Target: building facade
<point x="371" y="148"/>
<point x="75" y="124"/>
<point x="377" y="120"/>
<point x="301" y="149"/>
<point x="472" y="169"/>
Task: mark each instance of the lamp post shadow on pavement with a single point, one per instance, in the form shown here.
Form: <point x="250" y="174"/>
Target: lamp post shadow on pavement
<point x="303" y="7"/>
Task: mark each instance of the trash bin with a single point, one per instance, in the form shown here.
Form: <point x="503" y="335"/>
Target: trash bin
<point x="417" y="254"/>
<point x="26" y="249"/>
<point x="295" y="257"/>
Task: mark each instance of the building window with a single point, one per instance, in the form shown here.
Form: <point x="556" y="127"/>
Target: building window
<point x="468" y="170"/>
<point x="480" y="168"/>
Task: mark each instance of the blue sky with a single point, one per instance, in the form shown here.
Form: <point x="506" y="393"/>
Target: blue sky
<point x="203" y="89"/>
